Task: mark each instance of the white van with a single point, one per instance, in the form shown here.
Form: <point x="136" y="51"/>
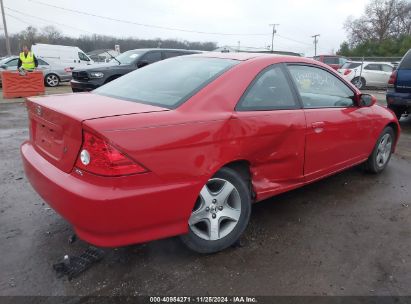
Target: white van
<point x="67" y="55"/>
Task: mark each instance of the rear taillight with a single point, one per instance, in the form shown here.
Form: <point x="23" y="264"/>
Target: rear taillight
<point x="393" y="79"/>
<point x="68" y="70"/>
<point x="348" y="71"/>
<point x="97" y="156"/>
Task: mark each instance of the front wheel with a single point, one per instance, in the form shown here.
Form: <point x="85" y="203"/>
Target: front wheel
<point x="221" y="213"/>
<point x="381" y="154"/>
<point x="52" y="80"/>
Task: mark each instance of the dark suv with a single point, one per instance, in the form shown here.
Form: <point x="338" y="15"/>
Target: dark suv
<point x="91" y="77"/>
<point x="399" y="88"/>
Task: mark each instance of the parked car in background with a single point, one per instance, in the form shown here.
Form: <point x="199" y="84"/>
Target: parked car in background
<point x="70" y="56"/>
<point x="54" y="73"/>
<point x="333" y="61"/>
<point x="362" y="74"/>
<point x="90" y="78"/>
<point x="186" y="145"/>
<point x="399" y="88"/>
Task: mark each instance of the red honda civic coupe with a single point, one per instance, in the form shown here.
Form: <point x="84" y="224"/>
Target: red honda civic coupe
<point x="186" y="145"/>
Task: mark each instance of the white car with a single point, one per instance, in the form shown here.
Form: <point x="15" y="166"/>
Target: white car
<point x="372" y="74"/>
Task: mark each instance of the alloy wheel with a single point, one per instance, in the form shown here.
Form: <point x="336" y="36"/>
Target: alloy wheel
<point x="384" y="150"/>
<point x="217" y="210"/>
<point x="52" y="80"/>
<point x="358" y="83"/>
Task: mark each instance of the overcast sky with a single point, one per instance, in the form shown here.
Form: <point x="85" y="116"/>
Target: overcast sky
<point x="298" y="20"/>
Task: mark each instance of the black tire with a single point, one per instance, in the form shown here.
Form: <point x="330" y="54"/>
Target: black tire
<point x="372" y="165"/>
<point x="201" y="245"/>
<point x="51" y="80"/>
<point x="359" y="82"/>
<point x="398" y="112"/>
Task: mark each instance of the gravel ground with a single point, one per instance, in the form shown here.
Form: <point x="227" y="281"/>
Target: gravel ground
<point x="345" y="235"/>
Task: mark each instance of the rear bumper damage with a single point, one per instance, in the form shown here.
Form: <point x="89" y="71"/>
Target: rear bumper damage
<point x="111" y="212"/>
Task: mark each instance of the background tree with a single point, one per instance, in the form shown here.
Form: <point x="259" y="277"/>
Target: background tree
<point x="52" y="35"/>
<point x="383" y="30"/>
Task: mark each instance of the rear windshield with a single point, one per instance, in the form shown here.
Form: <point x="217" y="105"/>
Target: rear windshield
<point x="351" y="65"/>
<point x="405" y="63"/>
<point x="167" y="83"/>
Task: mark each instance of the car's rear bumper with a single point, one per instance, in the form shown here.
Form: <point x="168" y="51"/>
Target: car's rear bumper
<point x="396" y="99"/>
<point x="111" y="212"/>
<point x="86" y="86"/>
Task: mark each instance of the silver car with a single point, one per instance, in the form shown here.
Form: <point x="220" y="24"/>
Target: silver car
<point x="54" y="73"/>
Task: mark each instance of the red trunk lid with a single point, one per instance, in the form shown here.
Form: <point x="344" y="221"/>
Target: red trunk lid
<point x="56" y="122"/>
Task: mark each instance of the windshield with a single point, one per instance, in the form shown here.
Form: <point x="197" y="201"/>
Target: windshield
<point x="351" y="65"/>
<point x="167" y="83"/>
<point x="127" y="57"/>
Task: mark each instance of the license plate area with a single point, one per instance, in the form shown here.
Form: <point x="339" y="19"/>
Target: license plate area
<point x="48" y="137"/>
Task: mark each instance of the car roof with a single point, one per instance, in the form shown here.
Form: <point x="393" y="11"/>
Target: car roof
<point x="339" y="56"/>
<point x="241" y="56"/>
<point x="158" y="49"/>
<point x="372" y="62"/>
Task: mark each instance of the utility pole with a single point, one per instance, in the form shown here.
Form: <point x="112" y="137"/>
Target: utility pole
<point x="274" y="32"/>
<point x="315" y="43"/>
<point x="6" y="35"/>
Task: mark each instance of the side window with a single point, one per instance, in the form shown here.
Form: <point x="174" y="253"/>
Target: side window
<point x="42" y="62"/>
<point x="12" y="63"/>
<point x="331" y="60"/>
<point x="373" y="67"/>
<point x="269" y="91"/>
<point x="170" y="54"/>
<point x="320" y="89"/>
<point x="387" y="68"/>
<point x="83" y="57"/>
<point x="152" y="57"/>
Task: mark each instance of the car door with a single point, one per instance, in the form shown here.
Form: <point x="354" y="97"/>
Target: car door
<point x="12" y="64"/>
<point x="271" y="117"/>
<point x="338" y="131"/>
<point x="372" y="74"/>
<point x="83" y="59"/>
<point x="43" y="66"/>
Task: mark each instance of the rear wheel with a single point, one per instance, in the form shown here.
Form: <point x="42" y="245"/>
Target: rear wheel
<point x="51" y="80"/>
<point x="381" y="154"/>
<point x="221" y="213"/>
<point x="359" y="82"/>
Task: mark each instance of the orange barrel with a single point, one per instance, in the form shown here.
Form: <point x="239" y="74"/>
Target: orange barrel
<point x="16" y="85"/>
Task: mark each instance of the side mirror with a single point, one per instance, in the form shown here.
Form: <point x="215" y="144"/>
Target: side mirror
<point x="142" y="63"/>
<point x="367" y="100"/>
<point x="3" y="66"/>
